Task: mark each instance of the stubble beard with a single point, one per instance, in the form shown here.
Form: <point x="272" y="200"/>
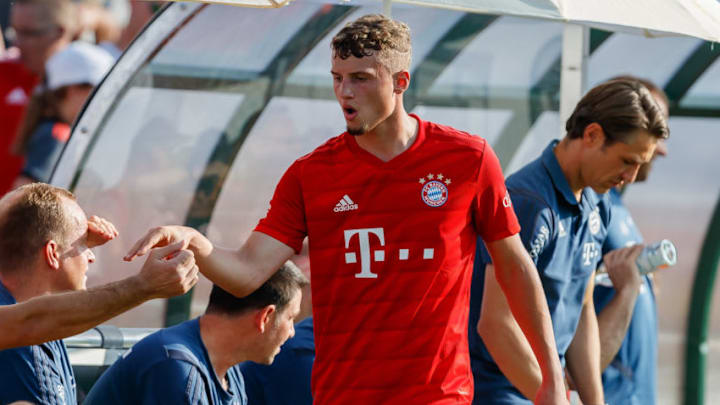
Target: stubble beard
<point x="357" y="131"/>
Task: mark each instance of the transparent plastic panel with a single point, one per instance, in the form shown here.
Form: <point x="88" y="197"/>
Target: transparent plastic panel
<point x="655" y="59"/>
<point x="506" y="59"/>
<point x="221" y="38"/>
<point x="426" y="26"/>
<point x="546" y="129"/>
<point x="485" y="123"/>
<point x="705" y="92"/>
<point x="143" y="171"/>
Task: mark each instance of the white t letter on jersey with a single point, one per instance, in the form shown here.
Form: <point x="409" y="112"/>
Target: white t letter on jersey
<point x="364" y="239"/>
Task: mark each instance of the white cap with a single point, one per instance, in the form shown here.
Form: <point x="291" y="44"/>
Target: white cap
<point x="78" y="63"/>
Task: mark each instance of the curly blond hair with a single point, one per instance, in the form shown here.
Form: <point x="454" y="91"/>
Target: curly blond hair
<point x="375" y="34"/>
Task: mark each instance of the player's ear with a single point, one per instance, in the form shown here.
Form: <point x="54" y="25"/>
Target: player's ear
<point x="593" y="135"/>
<point x="264" y="316"/>
<point x="401" y="81"/>
<point x="51" y="254"/>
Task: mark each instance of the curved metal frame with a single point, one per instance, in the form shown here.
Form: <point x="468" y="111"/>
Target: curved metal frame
<point x="699" y="313"/>
<point x="106" y="95"/>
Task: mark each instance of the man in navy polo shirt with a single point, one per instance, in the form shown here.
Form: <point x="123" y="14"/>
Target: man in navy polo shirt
<point x="287" y="380"/>
<point x="612" y="132"/>
<point x="195" y="362"/>
<point x="626" y="311"/>
<point x="45" y="249"/>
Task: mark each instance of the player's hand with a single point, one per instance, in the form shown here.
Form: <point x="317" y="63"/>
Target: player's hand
<point x="622" y="269"/>
<point x="165" y="235"/>
<point x="169" y="271"/>
<point x="551" y="393"/>
<point x="100" y="231"/>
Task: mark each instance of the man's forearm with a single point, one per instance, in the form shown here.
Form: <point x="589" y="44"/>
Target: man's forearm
<point x="57" y="316"/>
<point x="613" y="322"/>
<point x="583" y="358"/>
<point x="528" y="305"/>
<point x="505" y="340"/>
<point x="242" y="271"/>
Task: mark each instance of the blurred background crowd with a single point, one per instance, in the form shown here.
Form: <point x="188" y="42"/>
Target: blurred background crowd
<point x="52" y="54"/>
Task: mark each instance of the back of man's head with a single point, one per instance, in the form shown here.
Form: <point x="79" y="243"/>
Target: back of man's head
<point x="31" y="216"/>
<point x="375" y="34"/>
<point x="278" y="290"/>
<point x="659" y="94"/>
<point x="620" y="107"/>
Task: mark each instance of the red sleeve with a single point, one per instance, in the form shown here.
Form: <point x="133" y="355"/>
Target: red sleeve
<point x="493" y="212"/>
<point x="285" y="220"/>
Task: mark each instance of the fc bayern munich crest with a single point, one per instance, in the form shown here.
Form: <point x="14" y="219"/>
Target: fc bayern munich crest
<point x="434" y="191"/>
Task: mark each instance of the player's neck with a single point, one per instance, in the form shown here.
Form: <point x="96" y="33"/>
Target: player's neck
<point x="568" y="156"/>
<point x="24" y="287"/>
<point x="221" y="339"/>
<point x="390" y="138"/>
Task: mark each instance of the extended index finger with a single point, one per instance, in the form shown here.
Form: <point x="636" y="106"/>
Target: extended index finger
<point x="152" y="239"/>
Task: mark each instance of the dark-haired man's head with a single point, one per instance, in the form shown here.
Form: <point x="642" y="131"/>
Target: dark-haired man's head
<point x="43" y="234"/>
<point x="662" y="101"/>
<point x="370" y="64"/>
<point x="273" y="308"/>
<point x="619" y="124"/>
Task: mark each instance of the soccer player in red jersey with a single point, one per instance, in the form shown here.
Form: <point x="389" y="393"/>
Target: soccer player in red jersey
<point x="392" y="220"/>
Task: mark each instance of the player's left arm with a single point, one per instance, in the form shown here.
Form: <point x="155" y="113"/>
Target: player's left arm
<point x="583" y="354"/>
<point x="517" y="276"/>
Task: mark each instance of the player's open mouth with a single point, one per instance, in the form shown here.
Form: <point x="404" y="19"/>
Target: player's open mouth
<point x="350" y="113"/>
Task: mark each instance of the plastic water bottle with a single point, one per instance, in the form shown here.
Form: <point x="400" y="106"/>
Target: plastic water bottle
<point x="654" y="257"/>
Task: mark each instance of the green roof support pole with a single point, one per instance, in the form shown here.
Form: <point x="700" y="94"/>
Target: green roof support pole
<point x="699" y="316"/>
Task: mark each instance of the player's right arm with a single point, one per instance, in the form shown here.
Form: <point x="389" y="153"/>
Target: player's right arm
<point x="58" y="316"/>
<point x="240" y="272"/>
<point x="516" y="274"/>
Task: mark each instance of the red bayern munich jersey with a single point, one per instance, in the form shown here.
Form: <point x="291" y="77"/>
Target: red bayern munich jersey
<point x="392" y="246"/>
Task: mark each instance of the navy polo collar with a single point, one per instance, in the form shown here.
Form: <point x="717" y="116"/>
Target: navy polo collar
<point x="589" y="199"/>
<point x="5" y="296"/>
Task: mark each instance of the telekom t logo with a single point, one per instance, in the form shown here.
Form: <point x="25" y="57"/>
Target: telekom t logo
<point x="590" y="251"/>
<point x="378" y="255"/>
<point x="363" y="236"/>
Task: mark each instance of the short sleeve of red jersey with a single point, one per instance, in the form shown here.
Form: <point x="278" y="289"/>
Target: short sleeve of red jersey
<point x="493" y="213"/>
<point x="285" y="220"/>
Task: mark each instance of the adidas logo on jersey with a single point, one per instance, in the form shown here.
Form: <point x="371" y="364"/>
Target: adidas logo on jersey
<point x="345" y="204"/>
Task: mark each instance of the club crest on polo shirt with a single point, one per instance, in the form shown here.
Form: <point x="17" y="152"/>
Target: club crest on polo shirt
<point x="434" y="189"/>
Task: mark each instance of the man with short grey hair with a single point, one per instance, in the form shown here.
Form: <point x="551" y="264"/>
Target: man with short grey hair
<point x="45" y="242"/>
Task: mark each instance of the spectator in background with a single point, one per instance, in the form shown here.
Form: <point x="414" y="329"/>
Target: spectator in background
<point x="102" y="22"/>
<point x="287" y="380"/>
<point x="626" y="311"/>
<point x="70" y="76"/>
<point x="39" y="28"/>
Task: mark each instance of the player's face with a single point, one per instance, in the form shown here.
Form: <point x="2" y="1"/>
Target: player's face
<point x="281" y="328"/>
<point x="364" y="88"/>
<point x="76" y="257"/>
<point x="608" y="166"/>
